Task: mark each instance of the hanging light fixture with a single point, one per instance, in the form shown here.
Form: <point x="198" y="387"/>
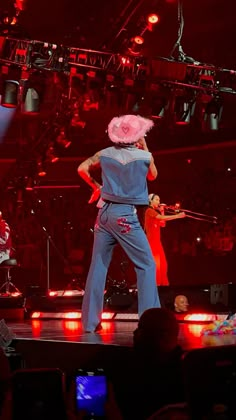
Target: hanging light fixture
<point x="50" y="154"/>
<point x="152" y="19"/>
<point x="10" y="94"/>
<point x="62" y="140"/>
<point x="136" y="45"/>
<point x="213" y="113"/>
<point x="159" y="105"/>
<point x="41" y="167"/>
<point x="29" y="184"/>
<point x="31" y="102"/>
<point x="184" y="107"/>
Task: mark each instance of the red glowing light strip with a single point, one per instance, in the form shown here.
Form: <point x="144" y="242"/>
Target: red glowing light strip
<point x="107" y="315"/>
<point x="72" y="315"/>
<point x="36" y="315"/>
<point x="68" y="315"/>
<point x="200" y="317"/>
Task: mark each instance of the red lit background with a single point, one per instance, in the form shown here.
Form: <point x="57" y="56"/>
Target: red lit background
<point x="196" y="166"/>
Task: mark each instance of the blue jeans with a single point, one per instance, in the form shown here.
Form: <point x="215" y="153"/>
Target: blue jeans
<point x="118" y="223"/>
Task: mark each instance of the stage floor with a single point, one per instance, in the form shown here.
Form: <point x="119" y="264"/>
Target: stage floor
<point x="115" y="333"/>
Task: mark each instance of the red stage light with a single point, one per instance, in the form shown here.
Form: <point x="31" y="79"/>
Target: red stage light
<point x="36" y="328"/>
<point x="125" y="61"/>
<point x="153" y="18"/>
<point x="107" y="315"/>
<point x="53" y="293"/>
<point x="36" y="315"/>
<point x="15" y="294"/>
<point x="68" y="293"/>
<point x="72" y="315"/>
<point x="138" y="40"/>
<point x="182" y="122"/>
<point x="70" y="328"/>
<point x="200" y="317"/>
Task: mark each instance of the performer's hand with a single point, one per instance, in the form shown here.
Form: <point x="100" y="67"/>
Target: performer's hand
<point x="141" y="144"/>
<point x="95" y="195"/>
<point x="181" y="215"/>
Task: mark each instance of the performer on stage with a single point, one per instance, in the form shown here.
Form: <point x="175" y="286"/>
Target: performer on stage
<point x="125" y="168"/>
<point x="5" y="240"/>
<point x="154" y="219"/>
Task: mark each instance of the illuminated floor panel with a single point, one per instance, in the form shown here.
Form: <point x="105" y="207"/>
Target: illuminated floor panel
<point x="115" y="333"/>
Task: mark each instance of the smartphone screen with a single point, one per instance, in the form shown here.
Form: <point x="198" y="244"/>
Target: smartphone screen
<point x="38" y="394"/>
<point x="91" y="392"/>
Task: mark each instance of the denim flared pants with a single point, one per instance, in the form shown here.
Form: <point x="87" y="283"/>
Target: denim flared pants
<point x="118" y="223"/>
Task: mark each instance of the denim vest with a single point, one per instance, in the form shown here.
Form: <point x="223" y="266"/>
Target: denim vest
<point x="124" y="172"/>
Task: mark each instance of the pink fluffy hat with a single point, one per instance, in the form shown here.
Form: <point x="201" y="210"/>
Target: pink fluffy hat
<point x="128" y="129"/>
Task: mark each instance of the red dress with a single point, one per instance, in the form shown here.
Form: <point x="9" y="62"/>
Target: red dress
<point x="152" y="227"/>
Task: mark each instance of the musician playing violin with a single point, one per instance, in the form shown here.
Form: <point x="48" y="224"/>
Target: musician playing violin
<point x="154" y="219"/>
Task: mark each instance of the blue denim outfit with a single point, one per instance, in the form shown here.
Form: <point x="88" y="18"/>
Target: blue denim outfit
<point x="117" y="222"/>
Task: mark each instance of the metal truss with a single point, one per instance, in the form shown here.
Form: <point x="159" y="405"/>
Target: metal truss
<point x="33" y="54"/>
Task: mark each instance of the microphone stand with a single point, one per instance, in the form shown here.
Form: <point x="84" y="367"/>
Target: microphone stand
<point x="52" y="243"/>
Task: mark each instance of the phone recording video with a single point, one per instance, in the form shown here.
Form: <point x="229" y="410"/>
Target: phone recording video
<point x="91" y="393"/>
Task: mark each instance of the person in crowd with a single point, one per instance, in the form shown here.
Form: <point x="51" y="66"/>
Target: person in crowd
<point x="5" y="239"/>
<point x="154" y="219"/>
<point x="5" y="389"/>
<point x="150" y="375"/>
<point x="181" y="303"/>
<point x="125" y="168"/>
<point x="173" y="412"/>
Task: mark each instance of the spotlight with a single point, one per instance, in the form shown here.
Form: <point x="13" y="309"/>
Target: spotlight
<point x="76" y="121"/>
<point x="184" y="108"/>
<point x="31" y="103"/>
<point x="10" y="20"/>
<point x="152" y="19"/>
<point x="90" y="103"/>
<point x="50" y="154"/>
<point x="20" y="5"/>
<point x="136" y="45"/>
<point x="62" y="140"/>
<point x="138" y="40"/>
<point x="182" y="112"/>
<point x="10" y="94"/>
<point x="29" y="184"/>
<point x="19" y="196"/>
<point x="158" y="107"/>
<point x="41" y="168"/>
<point x="212" y="115"/>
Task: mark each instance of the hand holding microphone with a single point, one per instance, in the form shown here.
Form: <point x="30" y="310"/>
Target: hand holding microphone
<point x="141" y="144"/>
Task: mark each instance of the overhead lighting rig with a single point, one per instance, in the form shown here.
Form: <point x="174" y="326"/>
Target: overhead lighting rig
<point x="33" y="54"/>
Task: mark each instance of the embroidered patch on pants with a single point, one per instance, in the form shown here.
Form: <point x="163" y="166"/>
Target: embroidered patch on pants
<point x="122" y="221"/>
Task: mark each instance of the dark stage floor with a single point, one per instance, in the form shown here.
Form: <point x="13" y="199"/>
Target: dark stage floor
<point x="115" y="333"/>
